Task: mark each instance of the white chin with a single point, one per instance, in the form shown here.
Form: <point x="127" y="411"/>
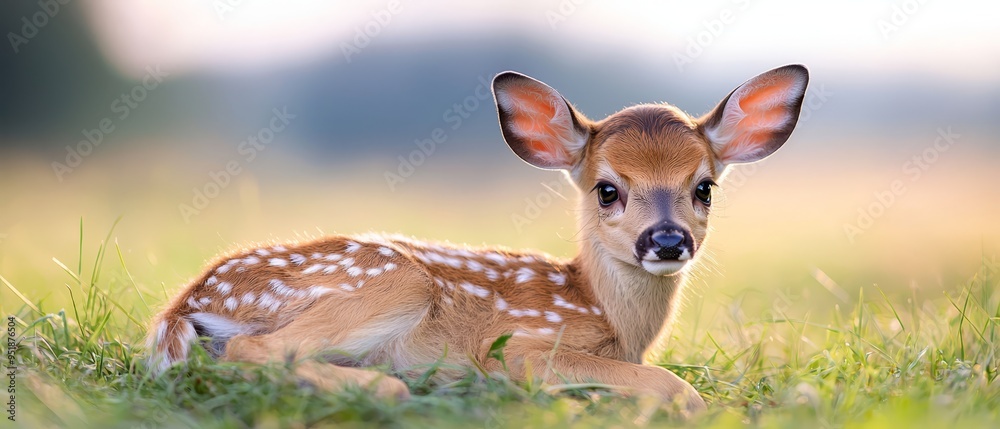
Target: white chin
<point x="663" y="268"/>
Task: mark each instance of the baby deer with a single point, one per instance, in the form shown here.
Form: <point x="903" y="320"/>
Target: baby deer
<point x="338" y="304"/>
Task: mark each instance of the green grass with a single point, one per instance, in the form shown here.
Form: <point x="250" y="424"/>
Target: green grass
<point x="888" y="360"/>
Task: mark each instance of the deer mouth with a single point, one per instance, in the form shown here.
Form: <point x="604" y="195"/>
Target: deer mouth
<point x="665" y="261"/>
<point x="664" y="267"/>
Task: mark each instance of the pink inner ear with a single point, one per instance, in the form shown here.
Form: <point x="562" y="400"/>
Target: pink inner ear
<point x="768" y="94"/>
<point x="764" y="112"/>
<point x="533" y="112"/>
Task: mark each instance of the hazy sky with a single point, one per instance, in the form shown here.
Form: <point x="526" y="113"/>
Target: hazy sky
<point x="955" y="39"/>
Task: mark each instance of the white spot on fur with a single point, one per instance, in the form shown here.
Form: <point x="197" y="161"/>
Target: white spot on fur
<point x="347" y="287"/>
<point x="474" y="266"/>
<point x="205" y="300"/>
<point x="313" y="268"/>
<point x="330" y="269"/>
<point x="231" y="303"/>
<point x="297" y="259"/>
<point x="546" y="331"/>
<point x="524" y="274"/>
<point x="559" y="301"/>
<point x="527" y="259"/>
<point x="553" y="317"/>
<point x="317" y="255"/>
<point x="316" y="291"/>
<point x="268" y="302"/>
<point x="333" y="257"/>
<point x="496" y="258"/>
<point x="224" y="287"/>
<point x="445" y="260"/>
<point x="595" y="310"/>
<point x="279" y="249"/>
<point x="373" y="272"/>
<point x="385" y="251"/>
<point x="347" y="262"/>
<point x="248" y="298"/>
<point x="281" y="288"/>
<point x="557" y="278"/>
<point x="354" y="271"/>
<point x="501" y="304"/>
<point x="263" y="252"/>
<point x="475" y="290"/>
<point x="352" y="247"/>
<point x="241" y="269"/>
<point x="222" y="269"/>
<point x="524" y="313"/>
<point x="211" y="281"/>
<point x="193" y="304"/>
<point x="277" y="262"/>
<point x="250" y="260"/>
<point x="492" y="274"/>
<point x="389" y="266"/>
<point x="448" y="300"/>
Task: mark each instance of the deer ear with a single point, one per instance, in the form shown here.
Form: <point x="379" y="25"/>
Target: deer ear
<point x="758" y="116"/>
<point x="538" y="124"/>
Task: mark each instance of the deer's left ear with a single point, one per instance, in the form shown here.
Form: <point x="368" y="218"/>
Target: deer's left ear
<point x="758" y="116"/>
<point x="538" y="124"/>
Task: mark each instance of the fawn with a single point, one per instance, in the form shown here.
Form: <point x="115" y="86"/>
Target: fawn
<point x="338" y="304"/>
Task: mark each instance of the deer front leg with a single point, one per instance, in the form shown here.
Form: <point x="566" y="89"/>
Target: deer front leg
<point x="575" y="367"/>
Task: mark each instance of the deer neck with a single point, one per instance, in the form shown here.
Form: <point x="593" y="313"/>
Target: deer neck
<point x="636" y="303"/>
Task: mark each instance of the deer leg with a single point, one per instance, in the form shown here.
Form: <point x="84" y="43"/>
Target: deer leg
<point x="557" y="367"/>
<point x="262" y="349"/>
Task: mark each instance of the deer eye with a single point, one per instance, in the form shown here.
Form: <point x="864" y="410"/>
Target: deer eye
<point x="607" y="194"/>
<point x="703" y="192"/>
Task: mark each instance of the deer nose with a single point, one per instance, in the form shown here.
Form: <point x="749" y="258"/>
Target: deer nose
<point x="664" y="242"/>
<point x="666" y="239"/>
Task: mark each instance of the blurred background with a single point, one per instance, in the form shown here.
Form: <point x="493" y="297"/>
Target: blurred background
<point x="211" y="124"/>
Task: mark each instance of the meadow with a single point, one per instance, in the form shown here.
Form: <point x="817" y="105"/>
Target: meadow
<point x="788" y="322"/>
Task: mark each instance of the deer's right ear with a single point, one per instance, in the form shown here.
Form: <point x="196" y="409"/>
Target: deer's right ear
<point x="538" y="124"/>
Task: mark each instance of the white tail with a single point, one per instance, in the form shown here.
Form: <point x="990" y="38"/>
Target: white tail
<point x="647" y="173"/>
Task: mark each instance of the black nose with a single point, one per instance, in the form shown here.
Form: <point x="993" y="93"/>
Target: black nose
<point x="664" y="242"/>
<point x="667" y="238"/>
